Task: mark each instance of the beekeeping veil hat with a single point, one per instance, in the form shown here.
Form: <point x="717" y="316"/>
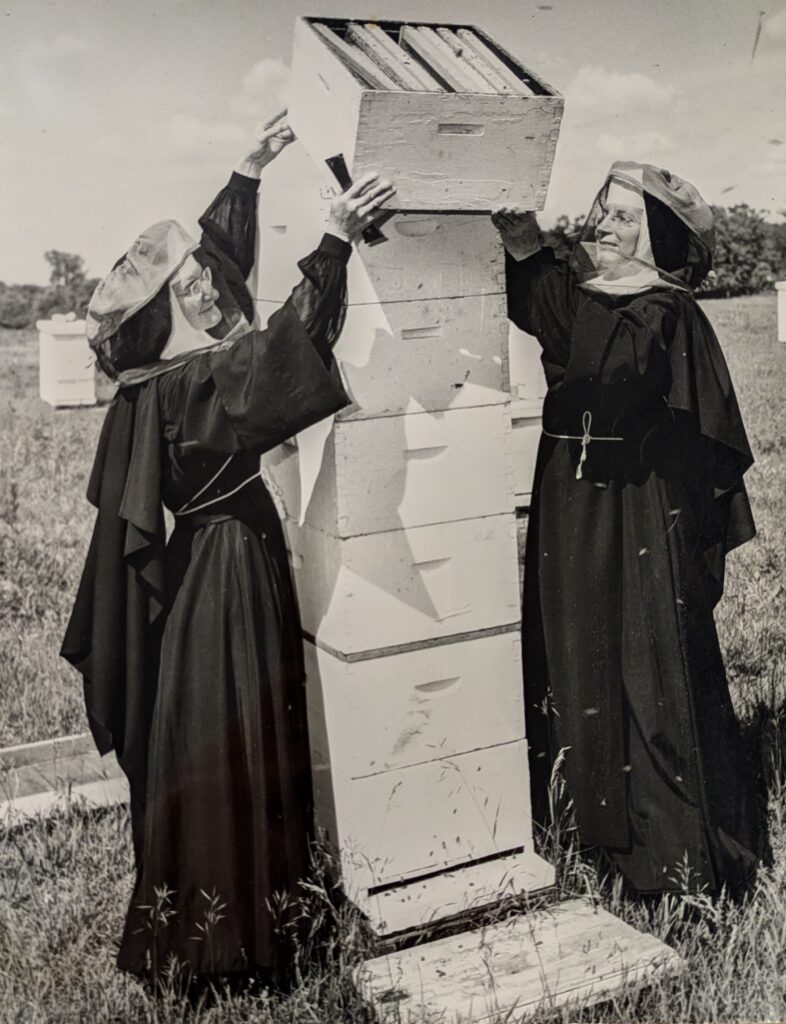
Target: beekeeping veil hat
<point x="676" y="238"/>
<point x="136" y="284"/>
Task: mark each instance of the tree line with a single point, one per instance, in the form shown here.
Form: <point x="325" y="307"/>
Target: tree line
<point x="750" y="255"/>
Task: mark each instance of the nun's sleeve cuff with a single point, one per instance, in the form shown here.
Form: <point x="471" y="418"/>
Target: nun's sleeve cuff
<point x="242" y="183"/>
<point x="332" y="245"/>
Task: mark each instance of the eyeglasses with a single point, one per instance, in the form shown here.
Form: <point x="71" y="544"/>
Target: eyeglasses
<point x="196" y="288"/>
<point x="619" y="217"/>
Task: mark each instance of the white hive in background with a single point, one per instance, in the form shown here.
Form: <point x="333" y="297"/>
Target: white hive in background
<point x="65" y="362"/>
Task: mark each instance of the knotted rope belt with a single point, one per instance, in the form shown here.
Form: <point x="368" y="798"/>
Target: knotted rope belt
<point x="585" y="438"/>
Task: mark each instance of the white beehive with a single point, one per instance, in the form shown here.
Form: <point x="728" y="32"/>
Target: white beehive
<point x="406" y="586"/>
<point x="65" y="370"/>
<point x="397" y="472"/>
<point x="426" y="325"/>
<point x="472" y="143"/>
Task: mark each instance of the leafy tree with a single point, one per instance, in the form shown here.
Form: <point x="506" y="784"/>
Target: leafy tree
<point x="562" y="236"/>
<point x="745" y="256"/>
<point x="68" y="269"/>
<point x="69" y="289"/>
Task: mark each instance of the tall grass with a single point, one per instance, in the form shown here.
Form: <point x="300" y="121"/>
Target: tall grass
<point x="64" y="884"/>
<point x="45" y="522"/>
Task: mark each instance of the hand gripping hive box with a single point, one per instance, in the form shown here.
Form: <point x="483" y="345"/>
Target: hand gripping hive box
<point x="454" y="119"/>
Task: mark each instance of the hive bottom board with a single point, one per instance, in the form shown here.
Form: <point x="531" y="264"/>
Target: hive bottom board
<point x="420" y="902"/>
<point x="571" y="953"/>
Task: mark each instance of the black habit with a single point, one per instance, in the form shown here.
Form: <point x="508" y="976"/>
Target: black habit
<point x="624" y="565"/>
<point x="191" y="650"/>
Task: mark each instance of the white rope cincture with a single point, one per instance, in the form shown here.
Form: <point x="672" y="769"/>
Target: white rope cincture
<point x="585" y="438"/>
<point x="184" y="510"/>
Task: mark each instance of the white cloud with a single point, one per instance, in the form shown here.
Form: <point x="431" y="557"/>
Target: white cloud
<point x="64" y="45"/>
<point x="635" y="146"/>
<point x="264" y="90"/>
<point x="774" y="28"/>
<point x="595" y="89"/>
<point x="187" y="136"/>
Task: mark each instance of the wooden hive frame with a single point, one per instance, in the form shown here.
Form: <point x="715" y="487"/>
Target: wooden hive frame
<point x="457" y="58"/>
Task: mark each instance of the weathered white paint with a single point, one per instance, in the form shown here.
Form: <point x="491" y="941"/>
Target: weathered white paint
<point x="402" y="471"/>
<point x="65" y="363"/>
<point x="403" y="709"/>
<point x="427" y="817"/>
<point x="405" y="586"/>
<point x="571" y="952"/>
<point x="446" y="151"/>
<point x="426" y="326"/>
<point x="424" y="356"/>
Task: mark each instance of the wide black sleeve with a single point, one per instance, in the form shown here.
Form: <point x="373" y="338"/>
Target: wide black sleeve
<point x="267" y="386"/>
<point x="542" y="296"/>
<point x="229" y="224"/>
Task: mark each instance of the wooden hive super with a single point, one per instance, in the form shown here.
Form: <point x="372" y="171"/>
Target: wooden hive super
<point x="474" y="130"/>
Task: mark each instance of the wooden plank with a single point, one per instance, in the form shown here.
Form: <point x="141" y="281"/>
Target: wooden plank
<point x="31" y="786"/>
<point x="467" y="54"/>
<point x="356" y="60"/>
<point x="426" y="81"/>
<point x="486" y="54"/>
<point x="399" y="69"/>
<point x="43" y="751"/>
<point x="100" y="793"/>
<point x="437" y="54"/>
<point x="572" y="953"/>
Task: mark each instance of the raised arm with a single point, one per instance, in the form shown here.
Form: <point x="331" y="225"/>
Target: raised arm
<point x="229" y="224"/>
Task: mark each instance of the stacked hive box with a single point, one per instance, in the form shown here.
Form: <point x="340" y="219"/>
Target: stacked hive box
<point x="406" y="562"/>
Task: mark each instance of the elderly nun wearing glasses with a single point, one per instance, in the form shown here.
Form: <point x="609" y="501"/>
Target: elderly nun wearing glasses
<point x="191" y="650"/>
<point x="638" y="496"/>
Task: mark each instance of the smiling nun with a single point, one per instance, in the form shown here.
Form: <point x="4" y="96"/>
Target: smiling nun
<point x="638" y="496"/>
<point x="191" y="650"/>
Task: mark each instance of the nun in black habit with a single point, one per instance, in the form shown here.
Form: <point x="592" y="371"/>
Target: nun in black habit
<point x="191" y="650"/>
<point x="638" y="495"/>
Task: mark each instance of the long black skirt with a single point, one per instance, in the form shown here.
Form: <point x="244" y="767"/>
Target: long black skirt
<point x="228" y="808"/>
<point x="623" y="672"/>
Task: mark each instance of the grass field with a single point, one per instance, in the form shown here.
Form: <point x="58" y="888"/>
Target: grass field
<point x="64" y="884"/>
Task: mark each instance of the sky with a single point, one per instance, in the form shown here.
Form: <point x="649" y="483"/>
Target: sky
<point x="118" y="113"/>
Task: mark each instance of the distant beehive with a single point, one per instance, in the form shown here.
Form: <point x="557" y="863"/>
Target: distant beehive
<point x="66" y="374"/>
<point x="457" y="122"/>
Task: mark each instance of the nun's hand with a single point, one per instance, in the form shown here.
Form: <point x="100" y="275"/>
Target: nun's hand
<point x="359" y="206"/>
<point x="269" y="139"/>
<point x="518" y="230"/>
